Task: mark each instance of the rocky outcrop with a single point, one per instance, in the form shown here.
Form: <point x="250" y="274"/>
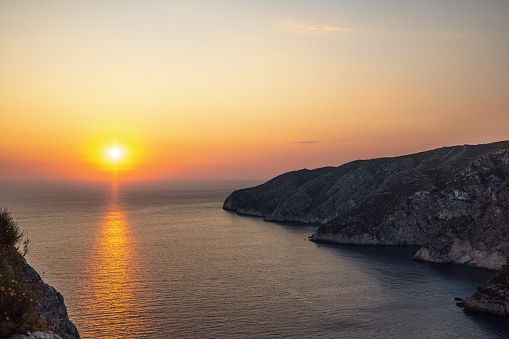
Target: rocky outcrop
<point x="51" y="308"/>
<point x="492" y="296"/>
<point x="265" y="200"/>
<point x="479" y="238"/>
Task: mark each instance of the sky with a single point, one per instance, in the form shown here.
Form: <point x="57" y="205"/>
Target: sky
<point x="220" y="90"/>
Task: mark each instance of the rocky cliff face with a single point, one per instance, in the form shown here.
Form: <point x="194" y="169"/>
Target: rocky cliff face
<point x="387" y="201"/>
<point x="50" y="307"/>
<point x="492" y="296"/>
<point x="478" y="238"/>
<point x="459" y="175"/>
<point x="411" y="205"/>
<point x="454" y="201"/>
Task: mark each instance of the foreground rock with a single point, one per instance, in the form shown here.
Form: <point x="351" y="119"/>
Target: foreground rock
<point x="33" y="309"/>
<point x="51" y="308"/>
<point x="37" y="335"/>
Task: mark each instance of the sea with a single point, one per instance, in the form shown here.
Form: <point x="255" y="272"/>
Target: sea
<point x="164" y="260"/>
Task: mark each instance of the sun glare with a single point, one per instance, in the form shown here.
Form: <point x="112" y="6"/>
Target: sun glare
<point x="120" y="157"/>
<point x="115" y="153"/>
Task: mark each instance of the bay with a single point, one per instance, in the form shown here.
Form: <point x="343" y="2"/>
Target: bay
<point x="165" y="261"/>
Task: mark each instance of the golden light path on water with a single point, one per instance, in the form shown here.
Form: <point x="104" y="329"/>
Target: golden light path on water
<point x="116" y="291"/>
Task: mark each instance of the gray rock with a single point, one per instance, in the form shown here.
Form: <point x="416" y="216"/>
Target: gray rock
<point x="479" y="238"/>
<point x="386" y="201"/>
<point x="37" y="335"/>
<point x="492" y="296"/>
<point x="50" y="306"/>
<point x="411" y="205"/>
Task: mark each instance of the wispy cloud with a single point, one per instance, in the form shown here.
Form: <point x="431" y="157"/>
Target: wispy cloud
<point x="338" y="30"/>
<point x="329" y="28"/>
<point x="308" y="28"/>
<point x="305" y="142"/>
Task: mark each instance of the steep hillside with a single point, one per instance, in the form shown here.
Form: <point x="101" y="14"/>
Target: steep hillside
<point x="479" y="238"/>
<point x="410" y="205"/>
<point x="492" y="296"/>
<point x="320" y="195"/>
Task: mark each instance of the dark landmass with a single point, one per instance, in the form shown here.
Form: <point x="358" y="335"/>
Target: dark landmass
<point x="492" y="296"/>
<point x="453" y="201"/>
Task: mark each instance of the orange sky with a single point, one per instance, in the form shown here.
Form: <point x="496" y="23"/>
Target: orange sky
<point x="244" y="90"/>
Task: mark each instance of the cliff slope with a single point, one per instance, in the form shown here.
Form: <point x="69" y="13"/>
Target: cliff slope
<point x="50" y="306"/>
<point x="434" y="198"/>
<point x="29" y="307"/>
<point x="479" y="238"/>
<point x="409" y="206"/>
<point x="492" y="296"/>
<point x="377" y="185"/>
<point x="46" y="306"/>
<point x="454" y="201"/>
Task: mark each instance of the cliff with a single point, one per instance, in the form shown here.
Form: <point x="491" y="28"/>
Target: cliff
<point x="388" y="201"/>
<point x="478" y="238"/>
<point x="380" y="190"/>
<point x="50" y="306"/>
<point x="411" y="204"/>
<point x="47" y="312"/>
<point x="29" y="307"/>
<point x="492" y="296"/>
<point x="454" y="201"/>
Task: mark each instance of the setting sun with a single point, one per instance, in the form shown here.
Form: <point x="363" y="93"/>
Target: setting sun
<point x="115" y="153"/>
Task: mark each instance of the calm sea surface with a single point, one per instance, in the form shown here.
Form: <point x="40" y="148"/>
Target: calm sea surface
<point x="165" y="261"/>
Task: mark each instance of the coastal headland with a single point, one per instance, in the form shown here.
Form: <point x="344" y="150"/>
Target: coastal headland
<point x="452" y="201"/>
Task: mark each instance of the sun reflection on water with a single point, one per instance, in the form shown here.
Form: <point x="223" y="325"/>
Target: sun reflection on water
<point x="115" y="289"/>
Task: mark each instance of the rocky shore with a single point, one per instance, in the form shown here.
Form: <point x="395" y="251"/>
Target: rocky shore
<point x="453" y="201"/>
<point x="492" y="296"/>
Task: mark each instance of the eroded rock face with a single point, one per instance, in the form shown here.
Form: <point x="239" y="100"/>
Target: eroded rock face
<point x="479" y="238"/>
<point x="37" y="335"/>
<point x="50" y="307"/>
<point x="411" y="205"/>
<point x="321" y="195"/>
<point x="453" y="200"/>
<point x="387" y="201"/>
<point x="446" y="199"/>
<point x="492" y="296"/>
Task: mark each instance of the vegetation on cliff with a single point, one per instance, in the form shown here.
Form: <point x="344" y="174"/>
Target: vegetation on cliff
<point x="17" y="305"/>
<point x="27" y="304"/>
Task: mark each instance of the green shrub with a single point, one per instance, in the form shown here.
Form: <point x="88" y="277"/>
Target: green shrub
<point x="10" y="234"/>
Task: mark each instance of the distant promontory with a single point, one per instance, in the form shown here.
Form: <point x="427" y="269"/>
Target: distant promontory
<point x="452" y="201"/>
